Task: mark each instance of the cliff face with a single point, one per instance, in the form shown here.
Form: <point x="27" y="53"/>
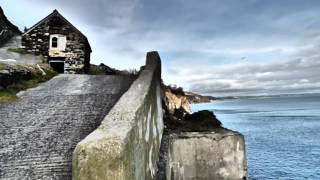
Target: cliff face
<point x="7" y="29"/>
<point x="176" y="102"/>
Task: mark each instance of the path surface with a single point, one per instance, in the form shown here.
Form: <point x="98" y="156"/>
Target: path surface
<point x="39" y="132"/>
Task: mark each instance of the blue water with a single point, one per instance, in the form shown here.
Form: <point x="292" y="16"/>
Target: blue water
<point x="282" y="134"/>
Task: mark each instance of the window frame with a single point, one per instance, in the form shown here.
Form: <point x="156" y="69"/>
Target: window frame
<point x="54" y="41"/>
<point x="61" y="42"/>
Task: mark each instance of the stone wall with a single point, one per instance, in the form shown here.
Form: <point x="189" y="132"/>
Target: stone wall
<point x="37" y="41"/>
<point x="218" y="154"/>
<point x="77" y="52"/>
<point x="126" y="144"/>
<point x="13" y="74"/>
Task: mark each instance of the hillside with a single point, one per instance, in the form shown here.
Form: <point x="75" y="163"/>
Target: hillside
<point x="7" y="29"/>
<point x="197" y="98"/>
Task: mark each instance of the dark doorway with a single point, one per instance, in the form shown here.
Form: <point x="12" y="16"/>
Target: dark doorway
<point x="57" y="66"/>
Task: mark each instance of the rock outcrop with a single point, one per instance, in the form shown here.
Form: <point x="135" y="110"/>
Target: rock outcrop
<point x="175" y="101"/>
<point x="13" y="74"/>
<point x="178" y="102"/>
<point x="7" y="29"/>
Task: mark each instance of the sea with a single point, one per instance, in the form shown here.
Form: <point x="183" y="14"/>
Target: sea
<point x="282" y="133"/>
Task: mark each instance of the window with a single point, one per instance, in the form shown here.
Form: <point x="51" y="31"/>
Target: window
<point x="54" y="42"/>
<point x="57" y="42"/>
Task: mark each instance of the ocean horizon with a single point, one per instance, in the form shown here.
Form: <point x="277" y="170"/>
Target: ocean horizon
<point x="281" y="133"/>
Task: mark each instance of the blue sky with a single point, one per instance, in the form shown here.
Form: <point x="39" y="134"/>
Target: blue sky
<point x="219" y="48"/>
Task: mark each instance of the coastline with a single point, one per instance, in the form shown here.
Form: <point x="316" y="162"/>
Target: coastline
<point x="268" y="124"/>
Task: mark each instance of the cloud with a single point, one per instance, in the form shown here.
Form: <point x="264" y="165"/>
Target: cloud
<point x="99" y="13"/>
<point x="202" y="42"/>
<point x="299" y="75"/>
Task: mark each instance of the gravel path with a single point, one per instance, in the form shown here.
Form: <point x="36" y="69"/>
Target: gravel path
<point x="39" y="132"/>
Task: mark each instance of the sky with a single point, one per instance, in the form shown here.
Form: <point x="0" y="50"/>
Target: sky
<point x="211" y="47"/>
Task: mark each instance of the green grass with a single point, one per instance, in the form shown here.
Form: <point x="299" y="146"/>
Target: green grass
<point x="2" y="66"/>
<point x="9" y="93"/>
<point x="17" y="50"/>
<point x="6" y="96"/>
<point x="95" y="71"/>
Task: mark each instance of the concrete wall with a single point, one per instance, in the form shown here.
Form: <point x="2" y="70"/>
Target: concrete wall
<point x="203" y="156"/>
<point x="126" y="145"/>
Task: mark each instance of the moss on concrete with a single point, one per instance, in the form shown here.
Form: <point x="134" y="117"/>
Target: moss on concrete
<point x="103" y="156"/>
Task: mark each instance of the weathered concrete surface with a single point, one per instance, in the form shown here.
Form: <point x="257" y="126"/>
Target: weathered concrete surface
<point x="126" y="144"/>
<point x="218" y="154"/>
<point x="40" y="131"/>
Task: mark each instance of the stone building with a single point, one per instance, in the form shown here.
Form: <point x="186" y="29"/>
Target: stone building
<point x="61" y="44"/>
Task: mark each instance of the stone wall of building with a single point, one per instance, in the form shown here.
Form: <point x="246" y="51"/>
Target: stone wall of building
<point x="37" y="41"/>
<point x="77" y="52"/>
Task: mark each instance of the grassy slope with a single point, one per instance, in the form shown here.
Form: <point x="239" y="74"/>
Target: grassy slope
<point x="17" y="50"/>
<point x="9" y="93"/>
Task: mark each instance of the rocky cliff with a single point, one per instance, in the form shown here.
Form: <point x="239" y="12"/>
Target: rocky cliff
<point x="178" y="114"/>
<point x="176" y="101"/>
<point x="7" y="29"/>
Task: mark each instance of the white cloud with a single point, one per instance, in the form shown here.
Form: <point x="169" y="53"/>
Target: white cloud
<point x="215" y="47"/>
